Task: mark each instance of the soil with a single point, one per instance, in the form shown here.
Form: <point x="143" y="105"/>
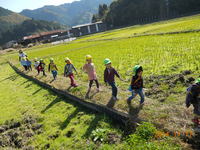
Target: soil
<point x="17" y="134"/>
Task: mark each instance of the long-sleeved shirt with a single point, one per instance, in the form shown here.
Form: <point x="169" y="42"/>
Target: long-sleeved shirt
<point x="193" y="93"/>
<point x="41" y="66"/>
<point x="52" y="67"/>
<point x="136" y="82"/>
<point x="21" y="55"/>
<point x="193" y="97"/>
<point x="109" y="75"/>
<point x="69" y="69"/>
<point x="91" y="71"/>
<point x="36" y="64"/>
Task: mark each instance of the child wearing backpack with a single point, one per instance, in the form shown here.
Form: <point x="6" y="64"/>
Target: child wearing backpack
<point x="41" y="67"/>
<point x="193" y="97"/>
<point x="68" y="71"/>
<point x="136" y="86"/>
<point x="89" y="68"/>
<point x="109" y="77"/>
<point x="53" y="68"/>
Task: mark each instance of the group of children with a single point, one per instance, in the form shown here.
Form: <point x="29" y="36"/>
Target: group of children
<point x="136" y="86"/>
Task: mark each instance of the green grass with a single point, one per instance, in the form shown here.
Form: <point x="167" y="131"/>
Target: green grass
<point x="58" y="115"/>
<point x="55" y="113"/>
<point x="167" y="54"/>
<point x="174" y="25"/>
<point x="158" y="54"/>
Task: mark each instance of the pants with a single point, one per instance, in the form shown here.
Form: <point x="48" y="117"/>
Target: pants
<point x="25" y="67"/>
<point x="54" y="73"/>
<point x="42" y="72"/>
<point x="197" y="107"/>
<point x="134" y="94"/>
<point x="71" y="76"/>
<point x="29" y="68"/>
<point x="114" y="88"/>
<point x="91" y="82"/>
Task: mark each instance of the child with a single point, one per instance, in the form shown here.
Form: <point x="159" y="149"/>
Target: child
<point x="68" y="71"/>
<point x="23" y="61"/>
<point x="41" y="67"/>
<point x="136" y="86"/>
<point x="89" y="68"/>
<point x="53" y="68"/>
<point x="193" y="97"/>
<point x="36" y="64"/>
<point x="21" y="55"/>
<point x="29" y="63"/>
<point x="109" y="77"/>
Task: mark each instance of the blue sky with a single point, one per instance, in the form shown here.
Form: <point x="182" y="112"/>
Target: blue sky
<point x="19" y="5"/>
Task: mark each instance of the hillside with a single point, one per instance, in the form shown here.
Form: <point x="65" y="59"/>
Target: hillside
<point x="14" y="26"/>
<point x="29" y="27"/>
<point x="9" y="19"/>
<point x="129" y="12"/>
<point x="78" y="12"/>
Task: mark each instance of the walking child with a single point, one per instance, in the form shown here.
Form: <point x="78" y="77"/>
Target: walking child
<point x="36" y="64"/>
<point x="21" y="55"/>
<point x="23" y="62"/>
<point x="68" y="71"/>
<point x="193" y="97"/>
<point x="41" y="67"/>
<point x="89" y="68"/>
<point x="29" y="63"/>
<point x="136" y="86"/>
<point x="109" y="77"/>
<point x="53" y="68"/>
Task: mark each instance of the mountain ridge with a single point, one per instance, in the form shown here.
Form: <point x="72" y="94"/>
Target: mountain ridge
<point x="77" y="12"/>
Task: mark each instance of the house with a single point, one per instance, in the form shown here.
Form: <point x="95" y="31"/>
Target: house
<point x="45" y="37"/>
<point x="89" y="28"/>
<point x="75" y="31"/>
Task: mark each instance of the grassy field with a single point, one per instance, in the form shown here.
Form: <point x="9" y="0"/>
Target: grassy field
<point x="164" y="58"/>
<point x="174" y="25"/>
<point x="63" y="124"/>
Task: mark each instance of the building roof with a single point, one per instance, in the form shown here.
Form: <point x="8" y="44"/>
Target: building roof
<point x="42" y="34"/>
<point x="88" y="24"/>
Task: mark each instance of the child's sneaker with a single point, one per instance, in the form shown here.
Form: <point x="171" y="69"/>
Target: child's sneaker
<point x="98" y="90"/>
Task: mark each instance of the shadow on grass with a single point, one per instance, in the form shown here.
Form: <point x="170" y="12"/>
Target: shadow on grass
<point x="111" y="103"/>
<point x="37" y="91"/>
<point x="133" y="119"/>
<point x="12" y="77"/>
<point x="24" y="82"/>
<point x="93" y="125"/>
<point x="29" y="85"/>
<point x="95" y="93"/>
<point x="57" y="100"/>
<point x="69" y="118"/>
<point x="134" y="111"/>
